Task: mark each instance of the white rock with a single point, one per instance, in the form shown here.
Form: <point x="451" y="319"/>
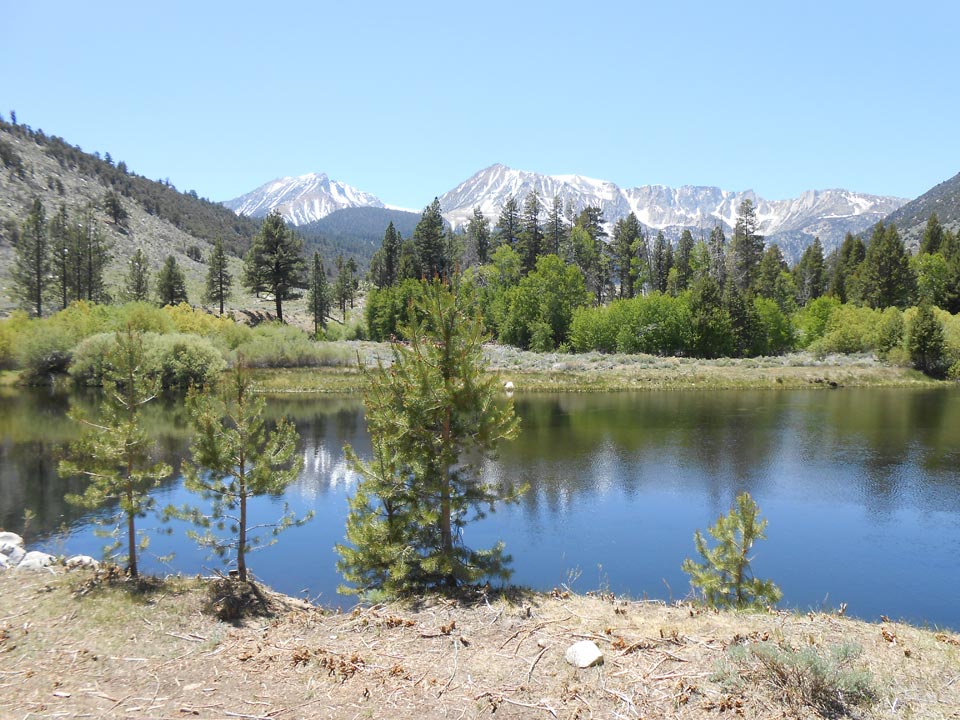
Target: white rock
<point x="12" y="538"/>
<point x="584" y="654"/>
<point x="4" y="563"/>
<point x="81" y="561"/>
<point x="13" y="554"/>
<point x="508" y="386"/>
<point x="35" y="560"/>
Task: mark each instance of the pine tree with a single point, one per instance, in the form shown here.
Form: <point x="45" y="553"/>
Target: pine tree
<point x="932" y="236"/>
<point x="768" y="271"/>
<point x="724" y="576"/>
<point x="843" y="264"/>
<point x="478" y="235"/>
<point x="682" y="260"/>
<point x="275" y="263"/>
<point x="116" y="453"/>
<point x="428" y="237"/>
<point x="925" y="341"/>
<point x="219" y="280"/>
<point x="625" y="234"/>
<point x="884" y="278"/>
<point x="810" y="273"/>
<point x="507" y="229"/>
<point x="114" y="208"/>
<point x="61" y="254"/>
<point x="235" y="459"/>
<point x="137" y="285"/>
<point x="171" y="285"/>
<point x="746" y="248"/>
<point x="661" y="262"/>
<point x="556" y="229"/>
<point x="92" y="254"/>
<point x="718" y="256"/>
<point x="318" y="300"/>
<point x="31" y="264"/>
<point x="433" y="417"/>
<point x="530" y="241"/>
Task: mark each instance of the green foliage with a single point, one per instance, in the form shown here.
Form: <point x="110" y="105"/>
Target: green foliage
<point x="43" y="350"/>
<point x="851" y="329"/>
<point x="655" y="324"/>
<point x="544" y="300"/>
<point x="31" y="261"/>
<point x="171" y="284"/>
<point x="219" y="280"/>
<point x="712" y="333"/>
<point x="428" y="238"/>
<point x="319" y="297"/>
<point x="925" y="341"/>
<point x="884" y="278"/>
<point x="236" y="459"/>
<point x="433" y="417"/>
<point x="390" y="308"/>
<point x="724" y="578"/>
<point x="274" y="264"/>
<point x="827" y="681"/>
<point x="274" y="345"/>
<point x="116" y="455"/>
<point x="890" y="330"/>
<point x="813" y="320"/>
<point x="775" y="333"/>
<point x="136" y="287"/>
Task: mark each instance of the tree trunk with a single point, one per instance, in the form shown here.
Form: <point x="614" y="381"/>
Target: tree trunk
<point x="242" y="534"/>
<point x="131" y="532"/>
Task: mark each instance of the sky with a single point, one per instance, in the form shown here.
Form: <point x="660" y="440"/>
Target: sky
<point x="406" y="100"/>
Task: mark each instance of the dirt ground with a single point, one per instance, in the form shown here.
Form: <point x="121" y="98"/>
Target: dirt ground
<point x="73" y="646"/>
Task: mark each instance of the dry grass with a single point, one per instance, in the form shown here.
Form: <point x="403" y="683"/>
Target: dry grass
<point x="113" y="653"/>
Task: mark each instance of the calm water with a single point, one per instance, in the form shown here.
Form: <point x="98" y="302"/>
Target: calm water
<point x="861" y="489"/>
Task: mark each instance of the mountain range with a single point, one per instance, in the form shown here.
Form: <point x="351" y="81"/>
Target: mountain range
<point x="792" y="223"/>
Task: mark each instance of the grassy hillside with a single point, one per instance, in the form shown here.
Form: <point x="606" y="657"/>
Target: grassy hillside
<point x="943" y="199"/>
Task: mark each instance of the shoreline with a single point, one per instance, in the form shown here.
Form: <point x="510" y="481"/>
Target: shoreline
<point x="73" y="644"/>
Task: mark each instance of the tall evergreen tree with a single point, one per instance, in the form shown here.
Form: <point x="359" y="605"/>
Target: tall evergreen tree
<point x="843" y="263"/>
<point x="768" y="271"/>
<point x="925" y="341"/>
<point x="718" y="256"/>
<point x="530" y="242"/>
<point x="318" y="300"/>
<point x="478" y="235"/>
<point x="507" y="229"/>
<point x="932" y="235"/>
<point x="433" y="417"/>
<point x="682" y="260"/>
<point x="61" y="254"/>
<point x="556" y="228"/>
<point x="884" y="278"/>
<point x="810" y="273"/>
<point x="116" y="454"/>
<point x="626" y="233"/>
<point x="114" y="208"/>
<point x="429" y="239"/>
<point x="137" y="284"/>
<point x="660" y="263"/>
<point x="275" y="262"/>
<point x="93" y="255"/>
<point x="31" y="263"/>
<point x="219" y="280"/>
<point x="746" y="247"/>
<point x="171" y="284"/>
<point x="385" y="263"/>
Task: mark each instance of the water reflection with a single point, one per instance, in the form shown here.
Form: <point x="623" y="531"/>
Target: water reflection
<point x="860" y="488"/>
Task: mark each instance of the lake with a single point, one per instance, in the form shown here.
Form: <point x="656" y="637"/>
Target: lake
<point x="860" y="487"/>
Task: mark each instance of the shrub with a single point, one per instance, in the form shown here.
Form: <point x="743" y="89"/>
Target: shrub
<point x="826" y="682"/>
<point x="925" y="341"/>
<point x="776" y="331"/>
<point x="185" y="360"/>
<point x="43" y="350"/>
<point x="10" y="329"/>
<point x="890" y="330"/>
<point x="812" y="322"/>
<point x="88" y="359"/>
<point x="142" y="317"/>
<point x="187" y="319"/>
<point x="851" y="329"/>
<point x="276" y="345"/>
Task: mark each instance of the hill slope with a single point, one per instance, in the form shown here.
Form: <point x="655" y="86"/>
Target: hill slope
<point x="943" y="199"/>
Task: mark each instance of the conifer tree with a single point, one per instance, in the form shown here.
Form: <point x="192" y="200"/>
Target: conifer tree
<point x="235" y="459"/>
<point x="746" y="248"/>
<point x="507" y="229"/>
<point x="116" y="455"/>
<point x="428" y="237"/>
<point x="137" y="284"/>
<point x="171" y="285"/>
<point x="556" y="229"/>
<point x="114" y="208"/>
<point x="219" y="280"/>
<point x="925" y="341"/>
<point x="932" y="236"/>
<point x="768" y="271"/>
<point x="843" y="264"/>
<point x="275" y="263"/>
<point x="718" y="256"/>
<point x="810" y="273"/>
<point x="682" y="260"/>
<point x="61" y="254"/>
<point x="478" y="233"/>
<point x="530" y="241"/>
<point x="318" y="299"/>
<point x="31" y="264"/>
<point x="660" y="263"/>
<point x="724" y="576"/>
<point x="625" y="234"/>
<point x="433" y="417"/>
<point x="884" y="278"/>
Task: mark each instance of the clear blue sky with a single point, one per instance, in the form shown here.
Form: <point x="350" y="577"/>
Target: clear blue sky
<point x="407" y="99"/>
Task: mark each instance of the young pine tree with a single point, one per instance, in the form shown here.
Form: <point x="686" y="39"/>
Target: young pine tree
<point x="432" y="417"/>
<point x="234" y="460"/>
<point x="137" y="283"/>
<point x="219" y="279"/>
<point x="724" y="576"/>
<point x="171" y="285"/>
<point x="319" y="297"/>
<point x="31" y="262"/>
<point x="116" y="454"/>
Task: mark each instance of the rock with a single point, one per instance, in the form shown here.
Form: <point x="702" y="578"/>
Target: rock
<point x="13" y="554"/>
<point x="78" y="561"/>
<point x="4" y="563"/>
<point x="35" y="560"/>
<point x="12" y="538"/>
<point x="508" y="386"/>
<point x="583" y="654"/>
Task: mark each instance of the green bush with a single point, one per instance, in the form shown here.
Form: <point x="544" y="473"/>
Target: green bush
<point x="776" y="334"/>
<point x="813" y="320"/>
<point x="143" y="317"/>
<point x="88" y="359"/>
<point x="184" y="360"/>
<point x="43" y="350"/>
<point x="10" y="330"/>
<point x="851" y="329"/>
<point x="890" y="331"/>
<point x="276" y="345"/>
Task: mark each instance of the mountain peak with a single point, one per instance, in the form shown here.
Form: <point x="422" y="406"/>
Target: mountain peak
<point x="302" y="199"/>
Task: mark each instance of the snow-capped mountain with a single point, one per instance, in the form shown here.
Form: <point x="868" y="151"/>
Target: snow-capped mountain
<point x="303" y="199"/>
<point x="791" y="223"/>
